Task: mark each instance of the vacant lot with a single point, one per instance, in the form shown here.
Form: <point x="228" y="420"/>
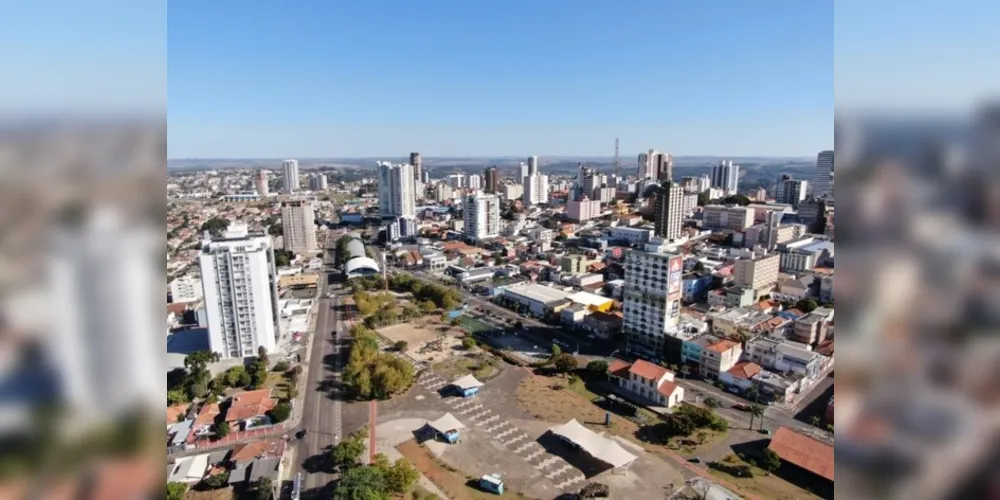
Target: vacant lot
<point x="478" y="364"/>
<point x="453" y="483"/>
<point x="426" y="341"/>
<point x="763" y="485"/>
<point x="548" y="399"/>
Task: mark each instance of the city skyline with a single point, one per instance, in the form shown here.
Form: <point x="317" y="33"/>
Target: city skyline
<point x="731" y="85"/>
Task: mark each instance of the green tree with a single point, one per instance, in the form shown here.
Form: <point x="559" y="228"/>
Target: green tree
<point x="222" y="429"/>
<point x="401" y="345"/>
<point x="807" y="304"/>
<point x="283" y="258"/>
<point x="237" y="376"/>
<point x="400" y="477"/>
<point x="556" y="350"/>
<point x="280" y="412"/>
<point x="262" y="355"/>
<point x="215" y="226"/>
<point x="564" y="362"/>
<point x="176" y="396"/>
<point x="346" y="452"/>
<point x="771" y="460"/>
<point x="263" y="489"/>
<point x="276" y="230"/>
<point x="427" y="306"/>
<point x="737" y="199"/>
<point x="176" y="491"/>
<point x="814" y="420"/>
<point x="468" y="343"/>
<point x="361" y="483"/>
<point x="214" y="482"/>
<point x="598" y="366"/>
<point x="756" y="410"/>
<point x="703" y="198"/>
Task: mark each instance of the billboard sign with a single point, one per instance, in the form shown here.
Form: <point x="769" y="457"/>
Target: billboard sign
<point x="674" y="278"/>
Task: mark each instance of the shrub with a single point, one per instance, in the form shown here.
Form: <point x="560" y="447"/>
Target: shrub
<point x="280" y="413"/>
<point x="401" y="345"/>
<point x="468" y="343"/>
<point x="598" y="367"/>
<point x="595" y="490"/>
<point x="564" y="362"/>
<point x="281" y="366"/>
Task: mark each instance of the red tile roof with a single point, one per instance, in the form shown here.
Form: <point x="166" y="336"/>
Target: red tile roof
<point x="803" y="451"/>
<point x="207" y="415"/>
<point x="745" y="370"/>
<point x="667" y="388"/>
<point x="722" y="346"/>
<point x="250" y="404"/>
<point x="258" y="449"/>
<point x="647" y="370"/>
<point x="619" y="368"/>
<point x="175" y="411"/>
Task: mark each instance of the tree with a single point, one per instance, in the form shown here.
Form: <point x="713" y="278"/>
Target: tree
<point x="598" y="366"/>
<point x="703" y="198"/>
<point x="564" y="362"/>
<point x="737" y="199"/>
<point x="262" y="355"/>
<point x="282" y="366"/>
<point x="556" y="350"/>
<point x="401" y="345"/>
<point x="280" y="412"/>
<point x="814" y="420"/>
<point x="807" y="304"/>
<point x="771" y="460"/>
<point x="222" y="429"/>
<point x="701" y="436"/>
<point x="276" y="230"/>
<point x="427" y="306"/>
<point x="237" y="376"/>
<point x="215" y="226"/>
<point x="176" y="491"/>
<point x="263" y="489"/>
<point x="346" y="452"/>
<point x="258" y="373"/>
<point x="283" y="258"/>
<point x="685" y="370"/>
<point x="756" y="410"/>
<point x="468" y="343"/>
<point x="400" y="477"/>
<point x="361" y="483"/>
<point x="176" y="396"/>
<point x="216" y="481"/>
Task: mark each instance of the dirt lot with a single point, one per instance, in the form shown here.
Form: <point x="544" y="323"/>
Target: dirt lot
<point x="426" y="341"/>
<point x="480" y="365"/>
<point x="453" y="483"/>
<point x="536" y="396"/>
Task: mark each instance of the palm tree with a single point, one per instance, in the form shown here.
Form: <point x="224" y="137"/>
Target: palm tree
<point x="815" y="421"/>
<point x="756" y="410"/>
<point x="685" y="370"/>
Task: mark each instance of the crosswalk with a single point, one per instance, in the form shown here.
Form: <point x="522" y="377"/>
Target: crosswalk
<point x="474" y="412"/>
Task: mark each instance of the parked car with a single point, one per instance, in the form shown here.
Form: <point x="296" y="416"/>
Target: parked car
<point x="694" y="460"/>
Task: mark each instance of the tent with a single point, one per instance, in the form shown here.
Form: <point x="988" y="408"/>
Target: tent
<point x="598" y="446"/>
<point x="448" y="427"/>
<point x="467" y="385"/>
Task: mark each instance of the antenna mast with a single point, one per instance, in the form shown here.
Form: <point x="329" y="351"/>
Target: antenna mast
<point x="617" y="163"/>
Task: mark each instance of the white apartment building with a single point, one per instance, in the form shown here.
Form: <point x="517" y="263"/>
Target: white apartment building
<point x="536" y="189"/>
<point x="651" y="300"/>
<point x="689" y="203"/>
<point x="240" y="289"/>
<point x="457" y="181"/>
<point x="318" y="182"/>
<point x="792" y="192"/>
<point x="475" y="181"/>
<point x="186" y="288"/>
<point x="290" y="172"/>
<point x="723" y="217"/>
<point x="632" y="235"/>
<point x="298" y="225"/>
<point x="583" y="210"/>
<point x="482" y="216"/>
<point x="726" y="177"/>
<point x="652" y="163"/>
<point x="443" y="192"/>
<point x="396" y="197"/>
<point x="513" y="192"/>
<point x="260" y="183"/>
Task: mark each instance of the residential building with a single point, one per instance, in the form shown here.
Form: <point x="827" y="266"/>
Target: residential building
<point x="298" y="224"/>
<point x="804" y="452"/>
<point x="536" y="189"/>
<point x="260" y="183"/>
<point x="656" y="166"/>
<point x="574" y="264"/>
<point x="719" y="357"/>
<point x="805" y="253"/>
<point x="491" y="178"/>
<point x="783" y="357"/>
<point x="605" y="194"/>
<point x="482" y="216"/>
<point x="396" y="196"/>
<point x="726" y="176"/>
<point x="186" y="288"/>
<point x="583" y="210"/>
<point x="793" y="289"/>
<point x="759" y="272"/>
<point x="741" y="375"/>
<point x="812" y="328"/>
<point x="632" y="235"/>
<point x="824" y="174"/>
<point x="240" y="288"/>
<point x="290" y="176"/>
<point x="318" y="182"/>
<point x="668" y="211"/>
<point x="734" y="218"/>
<point x="475" y="181"/>
<point x="512" y="191"/>
<point x="689" y="203"/>
<point x="648" y="381"/>
<point x="652" y="298"/>
<point x="792" y="192"/>
<point x="456" y="181"/>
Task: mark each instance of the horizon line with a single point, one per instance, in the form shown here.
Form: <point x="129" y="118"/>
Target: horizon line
<point x="461" y="157"/>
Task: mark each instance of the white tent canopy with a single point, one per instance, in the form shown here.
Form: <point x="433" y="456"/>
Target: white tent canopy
<point x="599" y="447"/>
<point x="446" y="424"/>
<point x="467" y="382"/>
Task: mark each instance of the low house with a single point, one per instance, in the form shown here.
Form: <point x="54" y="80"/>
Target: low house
<point x="603" y="325"/>
<point x="804" y="452"/>
<point x="741" y="376"/>
<point x="188" y="470"/>
<point x="249" y="408"/>
<point x="648" y="381"/>
<point x="176" y="413"/>
<point x="245" y="453"/>
<point x="205" y="420"/>
<point x="718" y="357"/>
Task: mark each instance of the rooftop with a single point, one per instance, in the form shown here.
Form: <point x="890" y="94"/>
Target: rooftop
<point x="803" y="451"/>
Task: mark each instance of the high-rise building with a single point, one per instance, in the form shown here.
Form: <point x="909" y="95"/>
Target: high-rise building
<point x="512" y="191"/>
<point x="425" y="177"/>
<point x="583" y="210"/>
<point x="395" y="190"/>
<point x="669" y="210"/>
<point x="290" y="175"/>
<point x="651" y="304"/>
<point x="260" y="183"/>
<point x="457" y="181"/>
<point x="536" y="189"/>
<point x="475" y="181"/>
<point x="824" y="174"/>
<point x="298" y="225"/>
<point x="726" y="176"/>
<point x="317" y="182"/>
<point x="418" y="171"/>
<point x="239" y="282"/>
<point x="482" y="216"/>
<point x="492" y="180"/>
<point x="791" y="192"/>
<point x="655" y="165"/>
<point x="532" y="165"/>
<point x="524" y="172"/>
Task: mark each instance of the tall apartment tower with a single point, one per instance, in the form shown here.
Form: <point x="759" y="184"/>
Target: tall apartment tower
<point x="492" y="180"/>
<point x="792" y="192"/>
<point x="475" y="181"/>
<point x="318" y="182"/>
<point x="824" y="174"/>
<point x="655" y="165"/>
<point x="482" y="216"/>
<point x="536" y="189"/>
<point x="532" y="165"/>
<point x="298" y="224"/>
<point x="669" y="210"/>
<point x="417" y="168"/>
<point x="290" y="171"/>
<point x="396" y="197"/>
<point x="651" y="300"/>
<point x="239" y="281"/>
<point x="260" y="183"/>
<point x="726" y="176"/>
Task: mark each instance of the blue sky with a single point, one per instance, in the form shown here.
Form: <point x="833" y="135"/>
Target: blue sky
<point x="451" y="78"/>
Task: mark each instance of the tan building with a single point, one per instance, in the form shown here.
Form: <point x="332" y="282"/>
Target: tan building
<point x="298" y="224"/>
<point x="719" y="357"/>
<point x="722" y="217"/>
<point x="574" y="264"/>
<point x="760" y="272"/>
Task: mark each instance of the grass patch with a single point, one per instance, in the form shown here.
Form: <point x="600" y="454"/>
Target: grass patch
<point x="479" y="365"/>
<point x="762" y="484"/>
<point x="688" y="445"/>
<point x="547" y="398"/>
<point x="278" y="384"/>
<point x="451" y="482"/>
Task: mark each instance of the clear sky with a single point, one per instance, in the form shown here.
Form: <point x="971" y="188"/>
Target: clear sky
<point x="334" y="78"/>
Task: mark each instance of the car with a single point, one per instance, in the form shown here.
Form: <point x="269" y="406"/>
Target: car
<point x="740" y="407"/>
<point x="301" y="434"/>
<point x="694" y="460"/>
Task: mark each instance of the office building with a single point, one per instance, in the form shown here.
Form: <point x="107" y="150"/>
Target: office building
<point x="726" y="176"/>
<point x="425" y="177"/>
<point x="532" y="166"/>
<point x="791" y="192"/>
<point x="536" y="189"/>
<point x="443" y="192"/>
<point x="317" y="182"/>
<point x="668" y="212"/>
<point x="824" y="174"/>
<point x="482" y="216"/>
<point x="759" y="272"/>
<point x="475" y="181"/>
<point x="418" y="171"/>
<point x="491" y="179"/>
<point x="456" y="181"/>
<point x="240" y="288"/>
<point x="395" y="190"/>
<point x="651" y="300"/>
<point x="260" y="183"/>
<point x="734" y="218"/>
<point x="298" y="225"/>
<point x="655" y="165"/>
<point x="583" y="210"/>
<point x="290" y="175"/>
